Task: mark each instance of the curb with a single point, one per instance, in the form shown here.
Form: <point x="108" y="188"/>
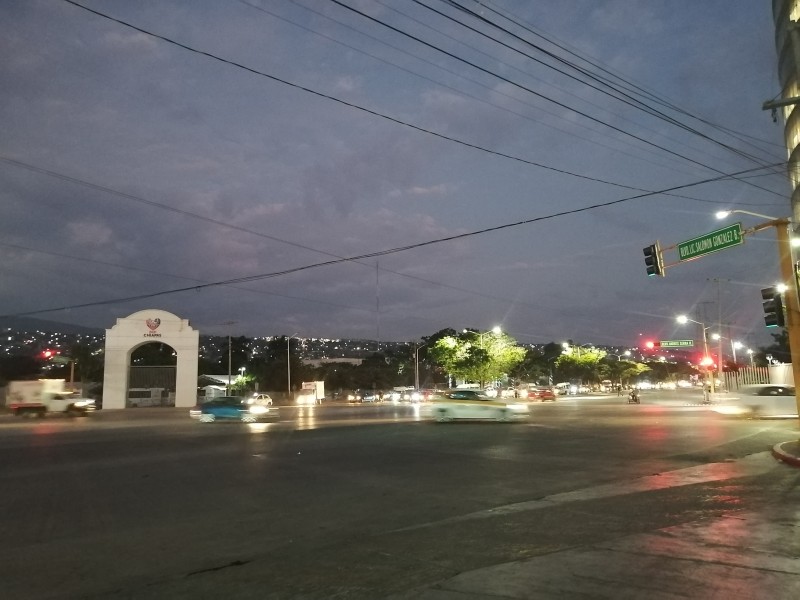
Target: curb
<point x="785" y="456"/>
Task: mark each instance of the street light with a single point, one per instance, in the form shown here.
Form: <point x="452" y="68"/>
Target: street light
<point x="683" y="319"/>
<point x="750" y="352"/>
<point x="496" y="330"/>
<point x="723" y="214"/>
<point x="568" y="349"/>
<point x="735" y="345"/>
<point x="417" y="348"/>
<point x="289" y="366"/>
<point x="626" y="354"/>
<point x="789" y="277"/>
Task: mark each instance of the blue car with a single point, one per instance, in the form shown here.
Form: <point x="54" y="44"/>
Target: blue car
<point x="233" y="408"/>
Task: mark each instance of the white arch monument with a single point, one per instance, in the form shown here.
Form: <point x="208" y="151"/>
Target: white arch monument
<point x="145" y="327"/>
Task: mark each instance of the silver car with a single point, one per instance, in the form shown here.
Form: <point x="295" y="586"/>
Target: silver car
<point x="472" y="404"/>
<point x="761" y="400"/>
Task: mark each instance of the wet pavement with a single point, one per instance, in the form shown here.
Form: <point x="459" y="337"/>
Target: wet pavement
<point x="743" y="555"/>
<point x="584" y="501"/>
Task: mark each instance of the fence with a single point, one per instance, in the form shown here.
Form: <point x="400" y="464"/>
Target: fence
<point x="732" y="380"/>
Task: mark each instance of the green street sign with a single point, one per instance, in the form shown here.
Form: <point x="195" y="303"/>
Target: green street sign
<point x="676" y="343"/>
<point x="711" y="242"/>
<point x="60" y="360"/>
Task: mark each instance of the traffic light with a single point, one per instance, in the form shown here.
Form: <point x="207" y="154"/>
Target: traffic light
<point x="772" y="302"/>
<point x="651" y="345"/>
<point x="47" y="354"/>
<point x="653" y="260"/>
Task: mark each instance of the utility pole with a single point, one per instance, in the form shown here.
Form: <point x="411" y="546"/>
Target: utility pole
<point x="720" y="374"/>
<point x="791" y="296"/>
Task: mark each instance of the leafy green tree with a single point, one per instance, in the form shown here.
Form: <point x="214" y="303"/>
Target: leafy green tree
<point x="242" y="384"/>
<point x="476" y="356"/>
<point x="581" y="364"/>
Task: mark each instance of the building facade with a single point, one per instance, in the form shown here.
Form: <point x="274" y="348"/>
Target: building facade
<point x="786" y="14"/>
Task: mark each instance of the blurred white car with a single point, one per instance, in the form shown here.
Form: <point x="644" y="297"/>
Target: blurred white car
<point x="260" y="399"/>
<point x="472" y="404"/>
<point x="762" y="400"/>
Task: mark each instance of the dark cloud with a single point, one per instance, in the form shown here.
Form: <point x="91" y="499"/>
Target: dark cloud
<point x="223" y="173"/>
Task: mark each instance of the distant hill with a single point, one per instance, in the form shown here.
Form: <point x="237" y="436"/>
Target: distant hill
<point x="31" y="324"/>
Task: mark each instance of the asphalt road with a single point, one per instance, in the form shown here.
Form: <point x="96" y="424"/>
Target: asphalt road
<point x="372" y="502"/>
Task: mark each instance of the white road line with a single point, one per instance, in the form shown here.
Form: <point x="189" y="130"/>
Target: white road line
<point x="754" y="464"/>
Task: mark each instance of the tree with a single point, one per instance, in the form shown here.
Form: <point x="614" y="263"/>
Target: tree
<point x="582" y="364"/>
<point x="779" y="349"/>
<point x="242" y="383"/>
<point x="475" y="356"/>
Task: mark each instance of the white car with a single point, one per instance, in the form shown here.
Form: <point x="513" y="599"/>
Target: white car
<point x="471" y="404"/>
<point x="261" y="399"/>
<point x="762" y="400"/>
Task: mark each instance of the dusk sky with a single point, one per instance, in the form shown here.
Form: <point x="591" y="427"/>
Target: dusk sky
<point x="220" y="160"/>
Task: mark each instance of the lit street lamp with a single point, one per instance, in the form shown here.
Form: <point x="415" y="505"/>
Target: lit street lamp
<point x="789" y="277"/>
<point x="289" y="366"/>
<point x="683" y="319"/>
<point x="416" y="365"/>
<point x="496" y="330"/>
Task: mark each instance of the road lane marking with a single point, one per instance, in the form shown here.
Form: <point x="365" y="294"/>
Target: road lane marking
<point x="753" y="464"/>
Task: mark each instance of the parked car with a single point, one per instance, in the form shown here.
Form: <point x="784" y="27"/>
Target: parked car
<point x="232" y="408"/>
<point x="473" y="404"/>
<point x="760" y="400"/>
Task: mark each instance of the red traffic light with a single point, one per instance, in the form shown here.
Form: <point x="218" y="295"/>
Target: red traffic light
<point x="47" y="353"/>
<point x="650" y="345"/>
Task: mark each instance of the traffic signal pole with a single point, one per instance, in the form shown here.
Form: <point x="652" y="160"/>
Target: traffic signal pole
<point x="657" y="266"/>
<point x="791" y="299"/>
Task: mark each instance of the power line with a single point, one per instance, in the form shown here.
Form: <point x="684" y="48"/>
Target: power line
<point x="379" y="253"/>
<point x="627" y="99"/>
<point x="493" y="90"/>
<point x="633" y="87"/>
<point x="376" y="113"/>
<point x="633" y="102"/>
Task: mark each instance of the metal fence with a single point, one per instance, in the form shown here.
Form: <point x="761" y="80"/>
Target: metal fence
<point x="732" y="380"/>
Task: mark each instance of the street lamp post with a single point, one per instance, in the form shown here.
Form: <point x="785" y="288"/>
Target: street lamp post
<point x="496" y="330"/>
<point x="789" y="278"/>
<point x="289" y="366"/>
<point x="626" y="354"/>
<point x="417" y="348"/>
<point x="683" y="319"/>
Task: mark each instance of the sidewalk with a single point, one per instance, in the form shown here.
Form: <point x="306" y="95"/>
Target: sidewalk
<point x="733" y="555"/>
<point x="788" y="452"/>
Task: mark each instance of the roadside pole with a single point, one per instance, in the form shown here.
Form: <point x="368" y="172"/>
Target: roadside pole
<point x="733" y="235"/>
<point x="790" y="297"/>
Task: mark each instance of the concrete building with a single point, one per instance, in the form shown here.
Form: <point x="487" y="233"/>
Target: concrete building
<point x="786" y="14"/>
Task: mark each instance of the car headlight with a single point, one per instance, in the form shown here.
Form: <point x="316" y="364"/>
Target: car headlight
<point x="257" y="409"/>
<point x="84" y="403"/>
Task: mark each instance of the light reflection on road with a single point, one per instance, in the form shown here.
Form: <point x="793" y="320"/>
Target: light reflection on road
<point x="754" y="464"/>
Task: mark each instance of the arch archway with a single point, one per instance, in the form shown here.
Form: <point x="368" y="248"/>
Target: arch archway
<point x="141" y="328"/>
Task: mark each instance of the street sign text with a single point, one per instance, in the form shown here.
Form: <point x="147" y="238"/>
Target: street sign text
<point x="711" y="242"/>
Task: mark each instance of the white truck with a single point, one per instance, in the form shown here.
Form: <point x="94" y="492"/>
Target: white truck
<point x="42" y="396"/>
